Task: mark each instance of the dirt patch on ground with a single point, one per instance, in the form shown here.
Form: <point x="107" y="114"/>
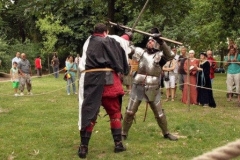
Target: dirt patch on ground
<point x="4" y="76"/>
<point x="4" y="79"/>
<point x="3" y="110"/>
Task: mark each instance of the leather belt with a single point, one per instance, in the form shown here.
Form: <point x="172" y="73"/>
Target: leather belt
<point x="97" y="70"/>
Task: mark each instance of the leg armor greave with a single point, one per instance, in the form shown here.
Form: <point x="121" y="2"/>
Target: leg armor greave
<point x="162" y="123"/>
<point x="129" y="115"/>
<point x="160" y="116"/>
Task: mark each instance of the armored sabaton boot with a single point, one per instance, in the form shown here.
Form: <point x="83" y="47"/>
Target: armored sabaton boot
<point x="83" y="149"/>
<point x="162" y="123"/>
<point x="117" y="137"/>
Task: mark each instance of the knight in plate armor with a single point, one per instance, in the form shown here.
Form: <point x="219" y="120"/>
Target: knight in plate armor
<point x="146" y="82"/>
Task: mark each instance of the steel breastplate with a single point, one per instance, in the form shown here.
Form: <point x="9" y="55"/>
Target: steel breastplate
<point x="148" y="70"/>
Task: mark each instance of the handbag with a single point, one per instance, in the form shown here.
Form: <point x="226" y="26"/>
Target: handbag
<point x="67" y="75"/>
<point x="167" y="77"/>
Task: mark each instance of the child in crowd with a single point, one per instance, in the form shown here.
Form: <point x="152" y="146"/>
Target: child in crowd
<point x="14" y="77"/>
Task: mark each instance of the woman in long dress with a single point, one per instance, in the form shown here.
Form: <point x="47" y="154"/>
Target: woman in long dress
<point x="204" y="86"/>
<point x="193" y="64"/>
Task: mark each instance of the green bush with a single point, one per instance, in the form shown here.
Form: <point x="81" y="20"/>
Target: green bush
<point x="8" y="52"/>
<point x="4" y="57"/>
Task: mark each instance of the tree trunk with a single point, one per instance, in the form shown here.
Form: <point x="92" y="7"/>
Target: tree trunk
<point x="223" y="52"/>
<point x="22" y="31"/>
<point x="111" y="13"/>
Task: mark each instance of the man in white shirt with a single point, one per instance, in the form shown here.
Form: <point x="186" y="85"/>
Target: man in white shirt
<point x="17" y="58"/>
<point x="77" y="61"/>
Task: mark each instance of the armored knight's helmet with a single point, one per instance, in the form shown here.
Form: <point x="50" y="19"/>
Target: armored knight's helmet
<point x="155" y="31"/>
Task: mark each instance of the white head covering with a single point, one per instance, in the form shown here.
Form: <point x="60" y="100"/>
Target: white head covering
<point x="192" y="51"/>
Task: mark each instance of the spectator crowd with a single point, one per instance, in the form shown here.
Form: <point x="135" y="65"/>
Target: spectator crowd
<point x="193" y="76"/>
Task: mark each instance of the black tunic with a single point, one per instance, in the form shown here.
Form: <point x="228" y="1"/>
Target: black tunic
<point x="205" y="95"/>
<point x="98" y="52"/>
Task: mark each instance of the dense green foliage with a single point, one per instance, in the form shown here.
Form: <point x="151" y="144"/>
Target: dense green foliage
<point x="8" y="51"/>
<point x="63" y="26"/>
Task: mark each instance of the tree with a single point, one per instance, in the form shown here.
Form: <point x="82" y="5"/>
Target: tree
<point x="51" y="27"/>
<point x="199" y="24"/>
<point x="15" y="25"/>
<point x="80" y="16"/>
<point x="210" y="23"/>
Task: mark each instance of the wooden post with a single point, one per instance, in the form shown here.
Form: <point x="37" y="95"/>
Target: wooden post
<point x="48" y="65"/>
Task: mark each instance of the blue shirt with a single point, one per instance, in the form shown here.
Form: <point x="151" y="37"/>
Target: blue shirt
<point x="233" y="68"/>
<point x="69" y="66"/>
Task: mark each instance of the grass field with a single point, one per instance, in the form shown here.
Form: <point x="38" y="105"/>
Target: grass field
<point x="44" y="126"/>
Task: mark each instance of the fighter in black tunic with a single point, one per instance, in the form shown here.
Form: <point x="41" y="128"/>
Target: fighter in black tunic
<point x="104" y="58"/>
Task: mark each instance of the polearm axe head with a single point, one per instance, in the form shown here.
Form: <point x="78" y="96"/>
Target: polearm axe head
<point x="145" y="33"/>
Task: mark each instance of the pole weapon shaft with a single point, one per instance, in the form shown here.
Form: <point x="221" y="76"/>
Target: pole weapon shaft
<point x="145" y="115"/>
<point x="140" y="14"/>
<point x="145" y="33"/>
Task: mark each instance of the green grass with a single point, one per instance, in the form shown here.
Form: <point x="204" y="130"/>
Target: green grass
<point x="44" y="126"/>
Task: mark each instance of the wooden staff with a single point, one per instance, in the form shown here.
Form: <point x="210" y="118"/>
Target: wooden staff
<point x="145" y="115"/>
<point x="140" y="14"/>
<point x="145" y="33"/>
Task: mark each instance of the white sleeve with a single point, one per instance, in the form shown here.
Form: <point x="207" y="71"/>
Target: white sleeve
<point x="81" y="65"/>
<point x="123" y="43"/>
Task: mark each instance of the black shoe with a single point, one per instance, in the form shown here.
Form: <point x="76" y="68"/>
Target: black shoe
<point x="119" y="147"/>
<point x="82" y="151"/>
<point x="124" y="137"/>
<point x="170" y="137"/>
